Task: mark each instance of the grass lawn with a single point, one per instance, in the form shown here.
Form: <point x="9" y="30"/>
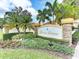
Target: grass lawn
<point x="25" y="54"/>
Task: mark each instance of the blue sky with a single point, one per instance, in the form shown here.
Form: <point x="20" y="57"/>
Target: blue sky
<point x="40" y="4"/>
<point x="31" y="5"/>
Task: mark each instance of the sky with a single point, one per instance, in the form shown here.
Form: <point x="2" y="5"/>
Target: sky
<point x="31" y="5"/>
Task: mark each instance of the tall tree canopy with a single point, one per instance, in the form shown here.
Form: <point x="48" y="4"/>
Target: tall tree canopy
<point x="63" y="10"/>
<point x="74" y="2"/>
<point x="13" y="17"/>
<point x="26" y="19"/>
<point x="18" y="17"/>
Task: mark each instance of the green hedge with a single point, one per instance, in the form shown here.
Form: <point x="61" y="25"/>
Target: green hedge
<point x="23" y="36"/>
<point x="9" y="36"/>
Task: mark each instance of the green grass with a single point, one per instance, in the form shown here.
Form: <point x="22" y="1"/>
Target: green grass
<point x="25" y="54"/>
<point x="1" y="35"/>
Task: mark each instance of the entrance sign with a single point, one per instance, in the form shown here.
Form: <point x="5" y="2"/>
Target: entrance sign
<point x="52" y="31"/>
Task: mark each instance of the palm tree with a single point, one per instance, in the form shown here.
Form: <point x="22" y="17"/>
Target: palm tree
<point x="26" y="20"/>
<point x="40" y="19"/>
<point x="13" y="17"/>
<point x="52" y="10"/>
<point x="40" y="16"/>
<point x="47" y="15"/>
<point x="61" y="11"/>
<point x="69" y="2"/>
<point x="75" y="4"/>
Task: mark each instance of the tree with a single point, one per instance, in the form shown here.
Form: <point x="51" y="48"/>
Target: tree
<point x="40" y="19"/>
<point x="75" y="2"/>
<point x="52" y="9"/>
<point x="61" y="10"/>
<point x="68" y="1"/>
<point x="67" y="11"/>
<point x="26" y="20"/>
<point x="13" y="17"/>
<point x="41" y="16"/>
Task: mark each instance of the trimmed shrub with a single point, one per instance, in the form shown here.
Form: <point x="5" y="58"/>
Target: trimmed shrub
<point x="9" y="36"/>
<point x="23" y="36"/>
<point x="43" y="44"/>
<point x="62" y="48"/>
<point x="35" y="43"/>
<point x="75" y="36"/>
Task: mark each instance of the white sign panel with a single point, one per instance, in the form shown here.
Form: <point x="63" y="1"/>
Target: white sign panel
<point x="51" y="32"/>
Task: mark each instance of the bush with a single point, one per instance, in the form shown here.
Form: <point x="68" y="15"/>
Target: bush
<point x="59" y="41"/>
<point x="62" y="48"/>
<point x="41" y="43"/>
<point x="23" y="36"/>
<point x="35" y="43"/>
<point x="29" y="35"/>
<point x="10" y="36"/>
<point x="75" y="37"/>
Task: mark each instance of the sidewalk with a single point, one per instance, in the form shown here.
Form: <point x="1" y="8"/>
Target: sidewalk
<point x="76" y="54"/>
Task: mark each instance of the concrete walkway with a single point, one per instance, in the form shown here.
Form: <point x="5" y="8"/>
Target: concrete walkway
<point x="76" y="54"/>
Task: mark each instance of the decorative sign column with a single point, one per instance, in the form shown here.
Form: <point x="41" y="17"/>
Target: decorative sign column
<point x="67" y="29"/>
<point x="67" y="33"/>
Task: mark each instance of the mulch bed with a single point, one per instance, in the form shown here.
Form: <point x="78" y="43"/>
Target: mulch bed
<point x="10" y="44"/>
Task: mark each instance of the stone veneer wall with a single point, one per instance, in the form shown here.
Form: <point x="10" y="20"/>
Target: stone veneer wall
<point x="67" y="33"/>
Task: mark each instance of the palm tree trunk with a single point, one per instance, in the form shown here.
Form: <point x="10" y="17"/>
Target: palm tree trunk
<point x="17" y="28"/>
<point x="36" y="31"/>
<point x="25" y="28"/>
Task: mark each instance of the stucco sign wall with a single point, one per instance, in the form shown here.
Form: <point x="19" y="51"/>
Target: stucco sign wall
<point x="51" y="31"/>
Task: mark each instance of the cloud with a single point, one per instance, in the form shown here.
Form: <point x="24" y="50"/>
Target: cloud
<point x="25" y="4"/>
<point x="60" y="1"/>
<point x="33" y="11"/>
<point x="7" y="5"/>
<point x="22" y="3"/>
<point x="4" y="5"/>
